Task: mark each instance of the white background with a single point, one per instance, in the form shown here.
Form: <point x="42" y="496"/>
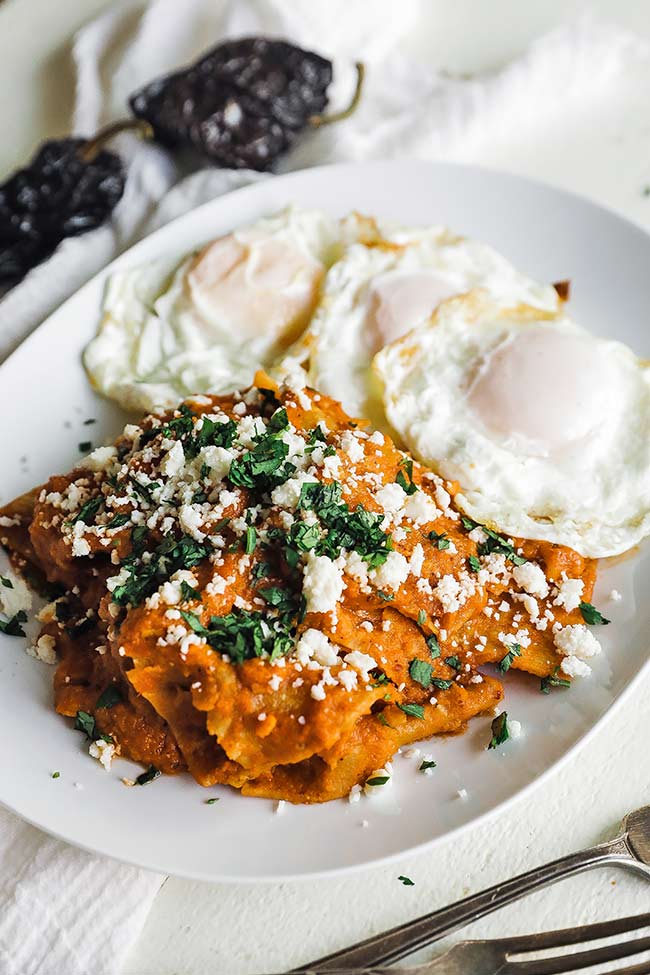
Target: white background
<point x="605" y="154"/>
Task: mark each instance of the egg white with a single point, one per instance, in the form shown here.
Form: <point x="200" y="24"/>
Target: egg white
<point x="544" y="426"/>
<point x="202" y="327"/>
<point x="389" y="280"/>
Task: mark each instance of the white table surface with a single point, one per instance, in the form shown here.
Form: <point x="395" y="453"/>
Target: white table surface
<point x="602" y="151"/>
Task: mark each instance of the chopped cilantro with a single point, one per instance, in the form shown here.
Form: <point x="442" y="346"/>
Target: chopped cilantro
<point x="420" y="671"/>
<point x="405" y="477"/>
<point x="514" y="650"/>
<point x="426" y="765"/>
<point x="138" y="536"/>
<point x="494" y="543"/>
<point x="244" y="635"/>
<point x="381" y="717"/>
<point x="85" y="446"/>
<point x="359" y="530"/>
<point x="170" y="556"/>
<point x="213" y="433"/>
<point x="453" y="662"/>
<point x="88" y="511"/>
<point x="86" y="723"/>
<point x="552" y="680"/>
<point x="379" y="678"/>
<point x="118" y="520"/>
<point x="89" y="421"/>
<point x="316" y="436"/>
<point x="7" y="583"/>
<point x="378" y="780"/>
<point x="56" y="775"/>
<point x="591" y="615"/>
<point x="148" y="776"/>
<point x="413" y="710"/>
<point x="441" y="684"/>
<point x="211" y="802"/>
<point x="406" y="881"/>
<point x="300" y="538"/>
<point x="110" y="697"/>
<point x="251" y="540"/>
<point x="188" y="592"/>
<point x="474" y="563"/>
<point x="385" y="596"/>
<point x="422" y="617"/>
<point x="433" y="645"/>
<point x="12" y="627"/>
<point x="144" y="491"/>
<point x="261" y="570"/>
<point x="500" y="730"/>
<point x="441" y="541"/>
<point x="264" y="466"/>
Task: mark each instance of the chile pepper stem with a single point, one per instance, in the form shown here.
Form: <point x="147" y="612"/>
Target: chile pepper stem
<point x="318" y="120"/>
<point x="99" y="140"/>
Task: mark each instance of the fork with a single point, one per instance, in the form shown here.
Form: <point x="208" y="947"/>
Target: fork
<point x="494" y="957"/>
<point x="631" y="848"/>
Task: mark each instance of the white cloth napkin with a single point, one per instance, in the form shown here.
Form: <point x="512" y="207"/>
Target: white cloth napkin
<point x="62" y="910"/>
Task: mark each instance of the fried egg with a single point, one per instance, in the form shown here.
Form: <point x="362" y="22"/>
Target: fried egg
<point x="544" y="426"/>
<point x="388" y="281"/>
<point x="224" y="312"/>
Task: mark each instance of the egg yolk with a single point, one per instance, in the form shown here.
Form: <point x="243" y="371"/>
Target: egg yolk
<point x="544" y="385"/>
<point x="399" y="301"/>
<point x="254" y="286"/>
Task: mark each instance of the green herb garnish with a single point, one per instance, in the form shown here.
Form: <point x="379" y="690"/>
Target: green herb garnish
<point x="7" y="583"/>
<point x="148" y="776"/>
<point x="514" y="650"/>
<point x="426" y="765"/>
<point x="84" y="446"/>
<point x="453" y="662"/>
<point x="591" y="616"/>
<point x="86" y="723"/>
<point x="441" y="541"/>
<point x="433" y="645"/>
<point x="406" y="881"/>
<point x="359" y="530"/>
<point x="420" y="671"/>
<point x="413" y="710"/>
<point x="553" y="680"/>
<point x="409" y="486"/>
<point x="378" y="780"/>
<point x="500" y="731"/>
<point x="12" y="627"/>
<point x="474" y="563"/>
<point x="88" y="511"/>
<point x="441" y="684"/>
<point x="251" y="540"/>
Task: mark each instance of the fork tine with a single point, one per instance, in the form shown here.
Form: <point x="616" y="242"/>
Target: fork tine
<point x="574" y="936"/>
<point x="643" y="968"/>
<point x="579" y="959"/>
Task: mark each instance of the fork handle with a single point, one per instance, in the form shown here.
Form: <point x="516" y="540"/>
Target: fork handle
<point x="384" y="949"/>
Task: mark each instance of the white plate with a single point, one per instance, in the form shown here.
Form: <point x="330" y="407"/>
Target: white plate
<point x="44" y="399"/>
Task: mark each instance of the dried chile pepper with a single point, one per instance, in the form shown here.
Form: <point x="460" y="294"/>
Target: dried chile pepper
<point x="243" y="104"/>
<point x="69" y="186"/>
